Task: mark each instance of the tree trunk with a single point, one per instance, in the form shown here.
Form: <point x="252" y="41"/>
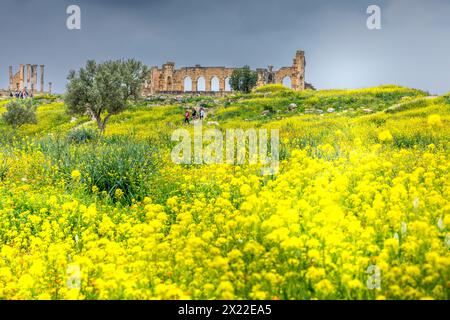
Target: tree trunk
<point x="102" y="124"/>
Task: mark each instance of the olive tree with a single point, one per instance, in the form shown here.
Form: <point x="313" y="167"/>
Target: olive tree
<point x="103" y="90"/>
<point x="243" y="79"/>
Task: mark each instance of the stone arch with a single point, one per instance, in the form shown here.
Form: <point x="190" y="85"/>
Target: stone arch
<point x="187" y="84"/>
<point x="215" y="83"/>
<point x="287" y="82"/>
<point x="201" y="83"/>
<point x="227" y="84"/>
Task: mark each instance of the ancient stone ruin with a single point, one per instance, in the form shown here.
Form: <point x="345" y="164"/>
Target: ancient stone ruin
<point x="26" y="79"/>
<point x="214" y="80"/>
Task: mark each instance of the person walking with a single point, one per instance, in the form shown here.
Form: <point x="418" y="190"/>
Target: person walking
<point x="202" y="113"/>
<point x="186" y="116"/>
<point x="194" y="114"/>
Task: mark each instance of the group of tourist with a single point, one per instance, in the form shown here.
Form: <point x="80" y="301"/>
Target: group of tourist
<point x="200" y="114"/>
<point x="20" y="94"/>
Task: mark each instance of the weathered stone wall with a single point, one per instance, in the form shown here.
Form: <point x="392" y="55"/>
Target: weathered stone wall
<point x="167" y="79"/>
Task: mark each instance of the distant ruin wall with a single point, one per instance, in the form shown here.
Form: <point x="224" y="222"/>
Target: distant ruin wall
<point x="187" y="80"/>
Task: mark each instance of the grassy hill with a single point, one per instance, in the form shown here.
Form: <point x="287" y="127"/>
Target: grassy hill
<point x="364" y="181"/>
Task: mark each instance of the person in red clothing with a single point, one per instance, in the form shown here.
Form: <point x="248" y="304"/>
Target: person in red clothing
<point x="186" y="116"/>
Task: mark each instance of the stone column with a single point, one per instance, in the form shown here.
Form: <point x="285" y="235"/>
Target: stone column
<point x="261" y="77"/>
<point x="33" y="78"/>
<point x="194" y="84"/>
<point x="50" y="88"/>
<point x="222" y="84"/>
<point x="42" y="78"/>
<point x="208" y="84"/>
<point x="21" y="77"/>
<point x="298" y="65"/>
<point x="28" y="76"/>
<point x="11" y="86"/>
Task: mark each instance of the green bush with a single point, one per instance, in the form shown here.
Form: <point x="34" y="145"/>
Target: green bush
<point x="20" y="112"/>
<point x="82" y="135"/>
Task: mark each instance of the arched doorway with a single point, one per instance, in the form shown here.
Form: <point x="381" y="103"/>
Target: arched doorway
<point x="227" y="84"/>
<point x="215" y="84"/>
<point x="201" y="84"/>
<point x="287" y="82"/>
<point x="187" y="84"/>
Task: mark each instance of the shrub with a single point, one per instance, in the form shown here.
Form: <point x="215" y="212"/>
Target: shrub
<point x="82" y="135"/>
<point x="20" y="112"/>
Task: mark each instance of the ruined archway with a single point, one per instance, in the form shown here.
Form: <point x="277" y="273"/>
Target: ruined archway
<point x="287" y="82"/>
<point x="201" y="84"/>
<point x="187" y="84"/>
<point x="227" y="84"/>
<point x="215" y="84"/>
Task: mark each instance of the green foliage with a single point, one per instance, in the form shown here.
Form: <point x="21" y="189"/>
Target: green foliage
<point x="107" y="165"/>
<point x="46" y="97"/>
<point x="104" y="88"/>
<point x="20" y="112"/>
<point x="243" y="79"/>
<point x="271" y="88"/>
<point x="447" y="98"/>
<point x="82" y="135"/>
<point x="411" y="104"/>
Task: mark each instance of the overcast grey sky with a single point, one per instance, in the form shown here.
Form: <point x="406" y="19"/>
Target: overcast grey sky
<point x="411" y="49"/>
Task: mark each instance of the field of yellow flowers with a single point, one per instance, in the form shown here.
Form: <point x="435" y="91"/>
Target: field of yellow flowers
<point x="360" y="208"/>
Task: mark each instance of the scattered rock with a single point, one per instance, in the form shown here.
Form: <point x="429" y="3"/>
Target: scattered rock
<point x="73" y="120"/>
<point x="319" y="111"/>
<point x="331" y="110"/>
<point x="367" y="110"/>
<point x="292" y="106"/>
<point x="265" y="112"/>
<point x="212" y="123"/>
<point x="309" y="111"/>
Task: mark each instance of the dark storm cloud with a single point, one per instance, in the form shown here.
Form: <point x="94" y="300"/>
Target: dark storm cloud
<point x="411" y="48"/>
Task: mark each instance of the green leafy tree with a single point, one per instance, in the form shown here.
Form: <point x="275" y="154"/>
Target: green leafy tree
<point x="103" y="90"/>
<point x="20" y="112"/>
<point x="243" y="79"/>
